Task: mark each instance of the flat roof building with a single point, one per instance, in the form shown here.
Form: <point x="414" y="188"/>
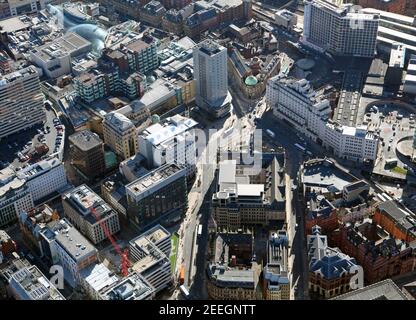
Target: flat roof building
<point x="89" y="213"/>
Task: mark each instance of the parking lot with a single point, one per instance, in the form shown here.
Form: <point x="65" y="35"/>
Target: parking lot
<point x="392" y="123"/>
<point x="32" y="145"/>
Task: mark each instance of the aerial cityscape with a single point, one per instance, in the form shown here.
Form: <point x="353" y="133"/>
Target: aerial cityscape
<point x="208" y="150"/>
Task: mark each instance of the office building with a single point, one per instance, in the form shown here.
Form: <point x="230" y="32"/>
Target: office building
<point x="29" y="283"/>
<point x="31" y="224"/>
<point x="354" y="191"/>
<point x="150" y="261"/>
<point x="97" y="278"/>
<point x="285" y="18"/>
<point x="308" y="111"/>
<point x="63" y="244"/>
<point x="55" y="59"/>
<point x="233" y="273"/>
<point x="21" y="101"/>
<point x="172" y="141"/>
<point x="375" y="250"/>
<point x="159" y="193"/>
<point x="394" y="28"/>
<point x="89" y="213"/>
<point x="330" y="26"/>
<point x="250" y="199"/>
<point x="329" y="268"/>
<point x="383" y="290"/>
<point x="394" y="73"/>
<point x="15" y="197"/>
<point x="396" y="220"/>
<point x="210" y="74"/>
<point x="134" y="287"/>
<point x="86" y="152"/>
<point x="276" y="277"/>
<point x="44" y="178"/>
<point x="410" y="78"/>
<point x="120" y="134"/>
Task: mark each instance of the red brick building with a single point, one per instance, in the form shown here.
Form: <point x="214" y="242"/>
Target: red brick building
<point x="394" y="6"/>
<point x="396" y="221"/>
<point x="320" y="211"/>
<point x="380" y="255"/>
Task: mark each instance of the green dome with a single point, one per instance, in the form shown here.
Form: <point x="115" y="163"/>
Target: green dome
<point x="155" y="118"/>
<point x="251" y="81"/>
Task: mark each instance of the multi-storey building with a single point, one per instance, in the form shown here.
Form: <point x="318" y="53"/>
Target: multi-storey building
<point x="320" y="211"/>
<point x="134" y="287"/>
<point x="396" y="220"/>
<point x="157" y="194"/>
<point x="86" y="151"/>
<point x="44" y="178"/>
<point x="120" y="134"/>
<point x="172" y="141"/>
<point x="336" y="28"/>
<point x="309" y="112"/>
<point x="149" y="260"/>
<point x="380" y="255"/>
<point x="29" y="283"/>
<point x="250" y="199"/>
<point x="232" y="274"/>
<point x="33" y="222"/>
<point x="152" y="13"/>
<point x="15" y="197"/>
<point x="276" y="277"/>
<point x="330" y="270"/>
<point x="89" y="213"/>
<point x="21" y="101"/>
<point x="210" y="74"/>
<point x="63" y="244"/>
<point x="97" y="278"/>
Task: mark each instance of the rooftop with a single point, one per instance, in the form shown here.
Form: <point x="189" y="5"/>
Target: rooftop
<point x="135" y="287"/>
<point x="154" y="178"/>
<point x="33" y="285"/>
<point x="85" y="140"/>
<point x="383" y="290"/>
<point x="74" y="243"/>
<point x="99" y="277"/>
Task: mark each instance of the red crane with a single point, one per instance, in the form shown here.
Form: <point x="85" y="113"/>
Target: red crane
<point x="125" y="263"/>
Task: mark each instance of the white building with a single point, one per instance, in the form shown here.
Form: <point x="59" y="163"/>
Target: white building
<point x="308" y="111"/>
<point x="29" y="283"/>
<point x="55" y="58"/>
<point x="336" y="28"/>
<point x="170" y="142"/>
<point x="97" y="278"/>
<point x="21" y="101"/>
<point x="135" y="287"/>
<point x="211" y="76"/>
<point x="18" y="7"/>
<point x="44" y="178"/>
<point x="78" y="205"/>
<point x="66" y="246"/>
<point x="285" y="18"/>
<point x="15" y="197"/>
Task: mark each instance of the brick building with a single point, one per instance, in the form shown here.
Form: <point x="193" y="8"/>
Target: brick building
<point x="394" y="6"/>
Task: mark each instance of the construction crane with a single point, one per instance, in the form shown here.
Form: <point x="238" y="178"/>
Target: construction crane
<point x="125" y="263"/>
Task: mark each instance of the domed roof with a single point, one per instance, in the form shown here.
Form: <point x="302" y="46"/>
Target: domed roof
<point x="155" y="118"/>
<point x="251" y="81"/>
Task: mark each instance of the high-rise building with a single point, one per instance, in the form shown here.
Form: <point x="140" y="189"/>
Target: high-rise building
<point x="78" y="204"/>
<point x="336" y="28"/>
<point x="211" y="76"/>
<point x="87" y="153"/>
<point x="120" y="134"/>
<point x="21" y="101"/>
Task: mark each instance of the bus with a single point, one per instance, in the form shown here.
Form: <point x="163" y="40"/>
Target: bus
<point x="270" y="133"/>
<point x="309" y="153"/>
<point x="199" y="230"/>
<point x="184" y="291"/>
<point x="297" y="145"/>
